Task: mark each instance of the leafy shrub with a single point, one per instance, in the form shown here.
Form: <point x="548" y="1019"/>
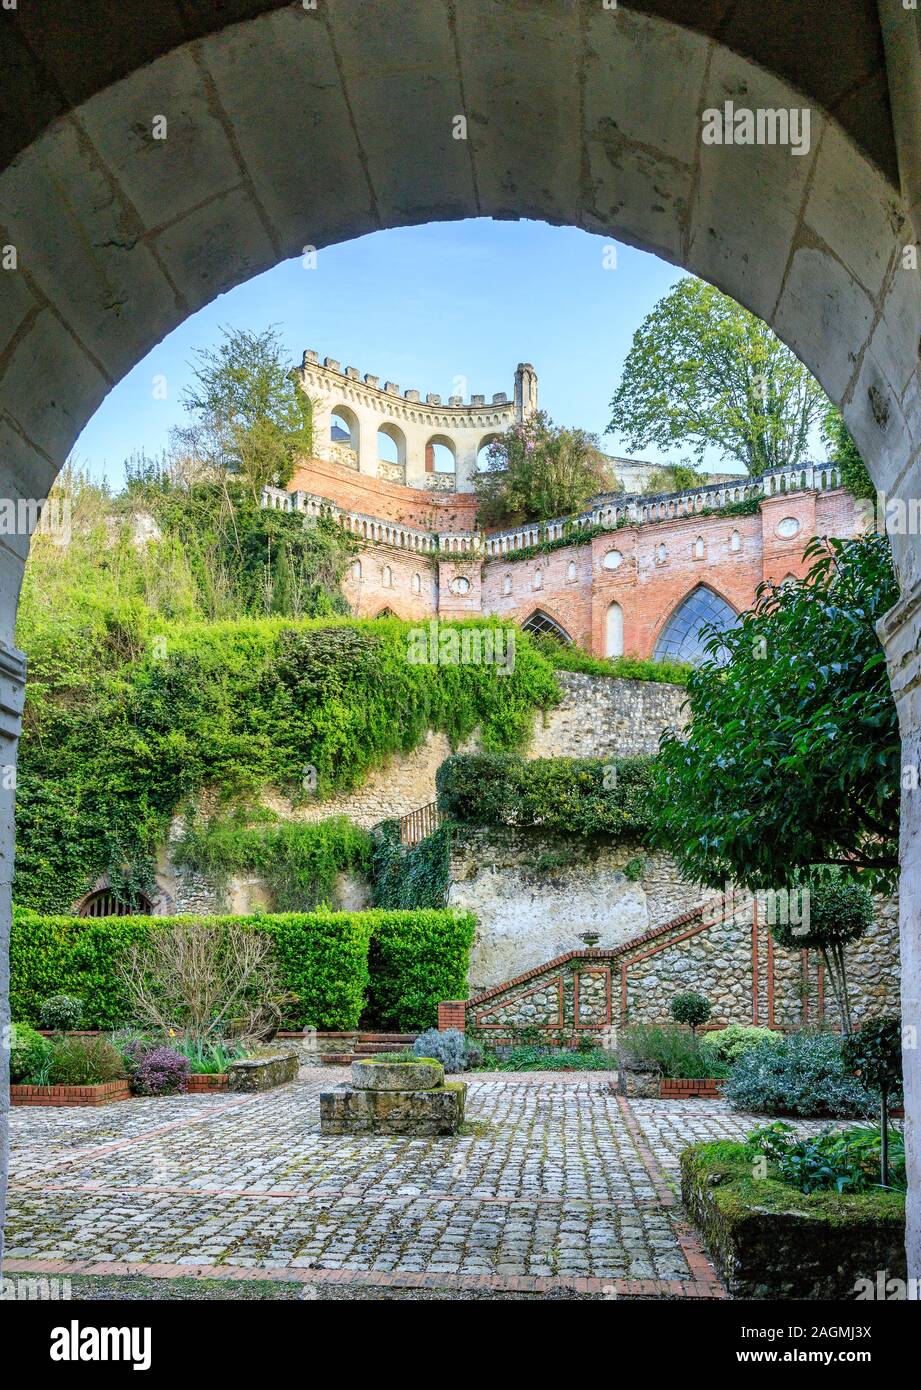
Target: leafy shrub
<point x="843" y="1160"/>
<point x="416" y="960"/>
<point x="729" y="1043"/>
<point x="802" y="1074"/>
<point x="60" y="1012"/>
<point x="30" y="1056"/>
<point x="574" y="796"/>
<point x="160" y="1071"/>
<point x="535" y="1058"/>
<point x="675" y="1053"/>
<point x="690" y="1008"/>
<point x="84" y="1061"/>
<point x="874" y="1052"/>
<point x="450" y="1048"/>
<point x="299" y="861"/>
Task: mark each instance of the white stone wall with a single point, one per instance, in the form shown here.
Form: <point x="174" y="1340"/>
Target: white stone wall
<point x="534" y="895"/>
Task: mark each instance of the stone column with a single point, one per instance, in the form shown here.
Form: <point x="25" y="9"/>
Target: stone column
<point x="900" y="634"/>
<point x="12" y="692"/>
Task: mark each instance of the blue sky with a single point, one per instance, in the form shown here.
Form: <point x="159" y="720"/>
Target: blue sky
<point x="421" y="306"/>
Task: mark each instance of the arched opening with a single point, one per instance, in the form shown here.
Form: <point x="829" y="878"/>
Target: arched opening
<point x="391" y="447"/>
<point x="614" y="630"/>
<point x="344" y="435"/>
<point x="482" y="453"/>
<point x="104" y="903"/>
<point x="542" y="625"/>
<point x="151" y="239"/>
<point x="440" y="455"/>
<point x="685" y="633"/>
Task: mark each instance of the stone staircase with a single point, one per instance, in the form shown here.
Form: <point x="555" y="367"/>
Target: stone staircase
<point x="341" y="1049"/>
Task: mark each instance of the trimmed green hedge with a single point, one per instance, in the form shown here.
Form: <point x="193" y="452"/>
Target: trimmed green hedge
<point x="417" y="959"/>
<point x="337" y="963"/>
<point x="572" y="796"/>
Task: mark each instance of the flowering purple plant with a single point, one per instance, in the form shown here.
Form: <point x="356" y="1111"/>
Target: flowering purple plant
<point x="159" y="1071"/>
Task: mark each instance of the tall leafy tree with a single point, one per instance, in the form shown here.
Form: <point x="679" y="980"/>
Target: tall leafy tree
<point x="792" y="758"/>
<point x="537" y="470"/>
<point x="705" y="373"/>
<point x="248" y="414"/>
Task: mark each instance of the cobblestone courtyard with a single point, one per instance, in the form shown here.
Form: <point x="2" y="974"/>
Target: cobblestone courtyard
<point x="555" y="1182"/>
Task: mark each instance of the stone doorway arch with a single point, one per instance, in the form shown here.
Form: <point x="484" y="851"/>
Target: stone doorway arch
<point x="143" y="177"/>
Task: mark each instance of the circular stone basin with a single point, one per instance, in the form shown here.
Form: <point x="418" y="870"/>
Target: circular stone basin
<point x="423" y="1075"/>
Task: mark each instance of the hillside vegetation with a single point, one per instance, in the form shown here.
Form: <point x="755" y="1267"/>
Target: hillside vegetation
<point x="216" y="656"/>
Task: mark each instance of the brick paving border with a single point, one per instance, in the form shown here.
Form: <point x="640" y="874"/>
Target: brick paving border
<point x="518" y="1283"/>
<point x="698" y="1261"/>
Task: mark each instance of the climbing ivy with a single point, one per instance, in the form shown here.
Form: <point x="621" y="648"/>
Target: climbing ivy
<point x="408" y="876"/>
<point x="299" y="861"/>
<point x="305" y="707"/>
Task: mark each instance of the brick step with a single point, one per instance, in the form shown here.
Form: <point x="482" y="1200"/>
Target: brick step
<point x="406" y="1038"/>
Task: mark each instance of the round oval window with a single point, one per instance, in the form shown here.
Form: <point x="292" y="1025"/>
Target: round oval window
<point x="788" y="527"/>
<point x="612" y="559"/>
<point x="461" y="585"/>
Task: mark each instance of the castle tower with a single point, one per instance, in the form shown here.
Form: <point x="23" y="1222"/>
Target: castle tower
<point x="525" y="392"/>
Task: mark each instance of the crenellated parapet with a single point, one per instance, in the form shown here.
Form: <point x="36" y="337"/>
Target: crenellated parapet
<point x="379" y="429"/>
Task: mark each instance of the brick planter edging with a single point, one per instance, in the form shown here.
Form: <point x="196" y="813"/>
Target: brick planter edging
<point x="200" y="1083"/>
<point x="100" y="1094"/>
<point x="682" y="1088"/>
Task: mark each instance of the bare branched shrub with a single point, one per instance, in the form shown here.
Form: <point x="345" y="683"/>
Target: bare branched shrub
<point x="205" y="982"/>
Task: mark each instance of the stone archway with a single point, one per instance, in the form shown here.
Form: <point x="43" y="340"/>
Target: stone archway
<point x="178" y="159"/>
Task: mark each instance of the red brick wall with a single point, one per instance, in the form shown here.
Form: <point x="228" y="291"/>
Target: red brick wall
<point x="359" y="492"/>
<point x="647" y="586"/>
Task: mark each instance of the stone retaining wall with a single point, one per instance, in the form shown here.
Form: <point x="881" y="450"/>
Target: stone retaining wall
<point x="732" y="961"/>
<point x="535" y="895"/>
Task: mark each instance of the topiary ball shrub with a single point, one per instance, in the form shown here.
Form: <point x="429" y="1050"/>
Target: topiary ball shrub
<point x="690" y="1008"/>
<point x="450" y="1048"/>
<point x="160" y="1072"/>
<point x="30" y="1056"/>
<point x="801" y="1074"/>
<point x="874" y="1052"/>
<point x="60" y="1012"/>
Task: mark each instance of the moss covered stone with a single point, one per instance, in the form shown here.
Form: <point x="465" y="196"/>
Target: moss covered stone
<point x="769" y="1240"/>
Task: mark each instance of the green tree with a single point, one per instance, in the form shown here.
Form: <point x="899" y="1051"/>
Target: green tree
<point x="874" y="1052"/>
<point x="705" y="373"/>
<point x="538" y="470"/>
<point x="837" y="909"/>
<point x="249" y="415"/>
<point x="690" y="1008"/>
<point x="792" y="757"/>
<point x="844" y="452"/>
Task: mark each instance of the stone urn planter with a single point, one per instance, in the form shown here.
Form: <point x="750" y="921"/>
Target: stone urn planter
<point x="407" y="1097"/>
